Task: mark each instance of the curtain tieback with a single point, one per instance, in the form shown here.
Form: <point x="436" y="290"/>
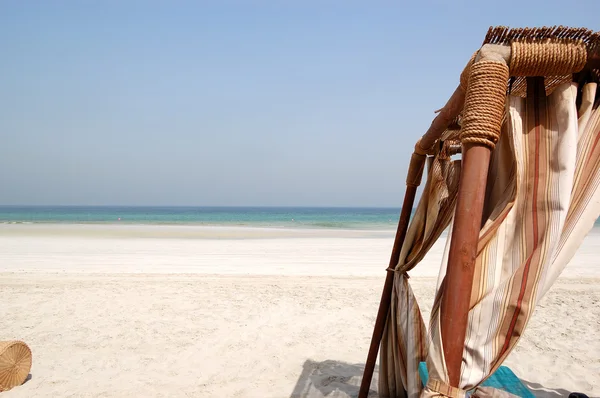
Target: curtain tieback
<point x="445" y="390"/>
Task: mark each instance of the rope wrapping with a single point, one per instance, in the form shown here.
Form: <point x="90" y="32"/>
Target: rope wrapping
<point x="484" y="104"/>
<point x="547" y="58"/>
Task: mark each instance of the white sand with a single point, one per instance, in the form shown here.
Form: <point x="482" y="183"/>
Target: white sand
<point x="114" y="311"/>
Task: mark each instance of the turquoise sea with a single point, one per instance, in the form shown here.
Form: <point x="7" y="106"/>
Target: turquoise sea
<point x="287" y="217"/>
<point x="283" y="217"/>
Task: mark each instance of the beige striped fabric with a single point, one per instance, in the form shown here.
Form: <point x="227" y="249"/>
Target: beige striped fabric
<point x="543" y="197"/>
<point x="404" y="342"/>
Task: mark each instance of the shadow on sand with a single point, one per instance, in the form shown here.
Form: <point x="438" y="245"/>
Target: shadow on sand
<point x="544" y="392"/>
<point x="335" y="379"/>
<point x="331" y="379"/>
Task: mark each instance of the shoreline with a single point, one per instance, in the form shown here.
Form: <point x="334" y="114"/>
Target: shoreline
<point x="298" y="225"/>
<point x="133" y="230"/>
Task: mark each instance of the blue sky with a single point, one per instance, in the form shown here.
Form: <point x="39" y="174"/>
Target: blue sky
<point x="232" y="103"/>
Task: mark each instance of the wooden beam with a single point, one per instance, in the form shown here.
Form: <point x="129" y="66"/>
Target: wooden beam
<point x="413" y="180"/>
<point x="461" y="259"/>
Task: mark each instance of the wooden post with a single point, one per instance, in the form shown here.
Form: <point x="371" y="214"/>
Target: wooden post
<point x="461" y="259"/>
<point x="413" y="179"/>
<point x="454" y="311"/>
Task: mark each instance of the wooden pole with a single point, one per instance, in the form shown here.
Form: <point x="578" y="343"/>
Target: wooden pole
<point x="386" y="295"/>
<point x="443" y="119"/>
<point x="461" y="259"/>
<point x="454" y="311"/>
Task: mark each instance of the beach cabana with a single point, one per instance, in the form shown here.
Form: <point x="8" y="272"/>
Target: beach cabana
<point x="517" y="202"/>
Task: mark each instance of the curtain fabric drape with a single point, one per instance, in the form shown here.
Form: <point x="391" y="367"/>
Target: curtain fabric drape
<point x="542" y="198"/>
<point x="404" y="342"/>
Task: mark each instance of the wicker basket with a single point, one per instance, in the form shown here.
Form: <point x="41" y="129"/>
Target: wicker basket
<point x="15" y="363"/>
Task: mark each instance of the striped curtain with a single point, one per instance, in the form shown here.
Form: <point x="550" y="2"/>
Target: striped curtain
<point x="404" y="342"/>
<point x="543" y="197"/>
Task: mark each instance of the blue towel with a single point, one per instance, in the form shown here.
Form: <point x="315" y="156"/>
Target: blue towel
<point x="502" y="379"/>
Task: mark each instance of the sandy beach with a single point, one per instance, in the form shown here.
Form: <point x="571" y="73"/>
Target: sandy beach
<point x="189" y="311"/>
